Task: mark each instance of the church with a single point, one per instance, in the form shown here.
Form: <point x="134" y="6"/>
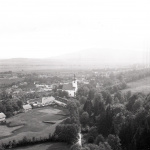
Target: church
<point x="71" y="88"/>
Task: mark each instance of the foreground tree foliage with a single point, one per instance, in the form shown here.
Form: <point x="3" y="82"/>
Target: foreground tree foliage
<point x="69" y="129"/>
<point x="118" y="122"/>
<point x="10" y="106"/>
<point x="84" y="120"/>
<point x="67" y="133"/>
<point x="105" y="122"/>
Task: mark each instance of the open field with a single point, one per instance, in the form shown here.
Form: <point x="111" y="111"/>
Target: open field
<point x="5" y="131"/>
<point x="46" y="146"/>
<point x="33" y="124"/>
<point x="142" y="85"/>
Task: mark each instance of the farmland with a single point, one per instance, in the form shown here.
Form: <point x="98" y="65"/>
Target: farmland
<point x="30" y="124"/>
<point x="142" y="85"/>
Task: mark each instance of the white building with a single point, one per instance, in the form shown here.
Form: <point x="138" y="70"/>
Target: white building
<point x="48" y="100"/>
<point x="27" y="107"/>
<point x="71" y="88"/>
<point x="2" y="117"/>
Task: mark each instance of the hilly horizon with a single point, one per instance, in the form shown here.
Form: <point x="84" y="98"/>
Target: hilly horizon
<point x="82" y="59"/>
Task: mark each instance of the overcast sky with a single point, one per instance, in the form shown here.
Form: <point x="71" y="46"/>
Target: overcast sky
<point x="45" y="28"/>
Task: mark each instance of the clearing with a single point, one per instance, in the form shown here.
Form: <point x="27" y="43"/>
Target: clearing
<point x="30" y="124"/>
<point x="142" y="85"/>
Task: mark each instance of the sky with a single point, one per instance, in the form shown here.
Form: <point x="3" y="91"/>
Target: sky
<point x="47" y="28"/>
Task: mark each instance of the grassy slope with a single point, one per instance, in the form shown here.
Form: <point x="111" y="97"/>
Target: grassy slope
<point x="34" y="125"/>
<point x="142" y="85"/>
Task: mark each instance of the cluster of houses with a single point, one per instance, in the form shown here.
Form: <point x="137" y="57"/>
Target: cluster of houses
<point x="44" y="87"/>
<point x="71" y="88"/>
<point x="45" y="101"/>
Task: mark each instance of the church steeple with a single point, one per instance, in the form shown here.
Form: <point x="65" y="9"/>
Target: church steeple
<point x="74" y="78"/>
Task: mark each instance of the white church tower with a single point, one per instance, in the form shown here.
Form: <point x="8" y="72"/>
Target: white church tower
<point x="75" y="84"/>
<point x="71" y="87"/>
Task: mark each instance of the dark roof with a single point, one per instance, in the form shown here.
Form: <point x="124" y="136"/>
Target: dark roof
<point x="68" y="87"/>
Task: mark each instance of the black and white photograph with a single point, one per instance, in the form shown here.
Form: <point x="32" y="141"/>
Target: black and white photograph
<point x="75" y="74"/>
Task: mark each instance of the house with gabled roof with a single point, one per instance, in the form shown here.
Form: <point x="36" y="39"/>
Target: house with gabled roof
<point x="27" y="107"/>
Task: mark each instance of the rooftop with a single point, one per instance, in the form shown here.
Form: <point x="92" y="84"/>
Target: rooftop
<point x="68" y="87"/>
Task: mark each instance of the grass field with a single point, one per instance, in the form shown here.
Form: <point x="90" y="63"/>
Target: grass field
<point x="5" y="131"/>
<point x="46" y="146"/>
<point x="142" y="85"/>
<point x="33" y="124"/>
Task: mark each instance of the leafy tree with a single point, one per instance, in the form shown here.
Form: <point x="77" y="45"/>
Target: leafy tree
<point x="2" y="108"/>
<point x="126" y="134"/>
<point x="114" y="142"/>
<point x="137" y="105"/>
<point x="73" y="110"/>
<point x="72" y="107"/>
<point x="15" y="106"/>
<point x="91" y="94"/>
<point x="92" y="147"/>
<point x="115" y="88"/>
<point x="83" y="91"/>
<point x="83" y="99"/>
<point x="67" y="133"/>
<point x="132" y="101"/>
<point x="104" y="146"/>
<point x="20" y="104"/>
<point x="120" y="96"/>
<point x="98" y="104"/>
<point x="116" y="100"/>
<point x="99" y="139"/>
<point x="105" y="122"/>
<point x="128" y="94"/>
<point x="93" y="132"/>
<point x="84" y="118"/>
<point x="88" y="107"/>
<point x="108" y="99"/>
<point x="104" y="94"/>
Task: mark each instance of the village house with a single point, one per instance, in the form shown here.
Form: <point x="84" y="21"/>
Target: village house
<point x="23" y="83"/>
<point x="2" y="117"/>
<point x="14" y="86"/>
<point x="27" y="107"/>
<point x="51" y="100"/>
<point x="48" y="100"/>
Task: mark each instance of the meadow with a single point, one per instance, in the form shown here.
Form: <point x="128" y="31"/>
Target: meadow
<point x="30" y="124"/>
<point x="142" y="85"/>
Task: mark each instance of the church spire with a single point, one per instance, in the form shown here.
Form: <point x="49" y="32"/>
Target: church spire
<point x="74" y="78"/>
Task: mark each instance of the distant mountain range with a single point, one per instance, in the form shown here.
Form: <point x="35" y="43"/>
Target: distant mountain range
<point x="91" y="58"/>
